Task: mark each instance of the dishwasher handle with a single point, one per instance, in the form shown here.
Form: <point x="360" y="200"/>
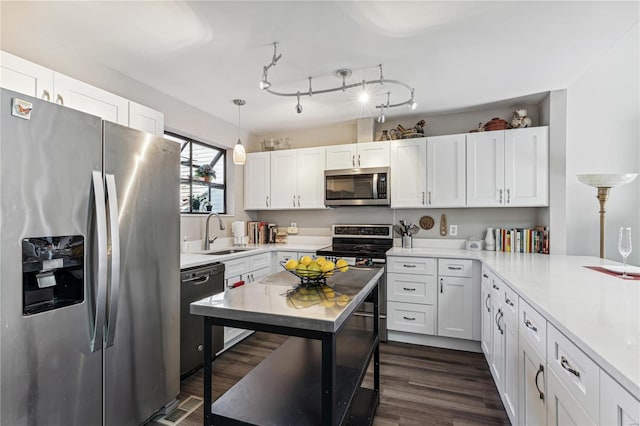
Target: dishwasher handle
<point x="196" y="280"/>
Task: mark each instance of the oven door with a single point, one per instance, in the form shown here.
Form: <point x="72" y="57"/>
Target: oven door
<point x="357" y="187"/>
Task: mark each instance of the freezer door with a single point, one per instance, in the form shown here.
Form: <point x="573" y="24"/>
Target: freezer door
<point x="142" y="365"/>
<point x="48" y="373"/>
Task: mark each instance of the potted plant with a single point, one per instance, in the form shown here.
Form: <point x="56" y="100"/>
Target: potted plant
<point x="205" y="172"/>
<point x="196" y="202"/>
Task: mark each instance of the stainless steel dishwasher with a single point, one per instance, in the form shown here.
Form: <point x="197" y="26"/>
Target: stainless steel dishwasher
<point x="197" y="283"/>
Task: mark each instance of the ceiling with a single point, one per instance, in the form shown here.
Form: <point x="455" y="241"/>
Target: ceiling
<point x="455" y="54"/>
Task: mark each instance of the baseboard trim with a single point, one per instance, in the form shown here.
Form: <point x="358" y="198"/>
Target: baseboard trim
<point x="436" y="341"/>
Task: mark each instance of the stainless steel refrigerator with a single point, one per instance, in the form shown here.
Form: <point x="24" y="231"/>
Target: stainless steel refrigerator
<point x="89" y="268"/>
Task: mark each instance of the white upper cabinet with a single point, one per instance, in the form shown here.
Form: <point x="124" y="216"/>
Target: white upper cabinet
<point x="526" y="167"/>
<point x="311" y="163"/>
<point x="446" y="171"/>
<point x="508" y="168"/>
<point x="361" y="155"/>
<point x="146" y="119"/>
<point x="257" y="181"/>
<point x="284" y="179"/>
<point x="84" y="97"/>
<point x="408" y="173"/>
<point x="25" y="77"/>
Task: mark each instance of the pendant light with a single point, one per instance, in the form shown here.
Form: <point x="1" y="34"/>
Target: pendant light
<point x="239" y="153"/>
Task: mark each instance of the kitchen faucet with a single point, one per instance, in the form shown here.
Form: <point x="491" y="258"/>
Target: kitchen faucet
<point x="207" y="241"/>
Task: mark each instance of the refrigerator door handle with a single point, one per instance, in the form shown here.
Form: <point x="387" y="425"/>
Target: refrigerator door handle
<point x="112" y="199"/>
<point x="97" y="334"/>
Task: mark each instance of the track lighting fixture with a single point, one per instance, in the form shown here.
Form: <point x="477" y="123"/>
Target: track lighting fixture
<point x="344" y="74"/>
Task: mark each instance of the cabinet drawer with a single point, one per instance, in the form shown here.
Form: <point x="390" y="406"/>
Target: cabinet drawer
<point x="509" y="303"/>
<point x="577" y="372"/>
<point x="284" y="256"/>
<point x="259" y="261"/>
<point x="411" y="265"/>
<point x="533" y="326"/>
<point x="411" y="288"/>
<point x="411" y="317"/>
<point x="236" y="267"/>
<point x="455" y="267"/>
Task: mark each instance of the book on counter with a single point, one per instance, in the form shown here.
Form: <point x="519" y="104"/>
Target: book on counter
<point x="522" y="240"/>
<point x="261" y="232"/>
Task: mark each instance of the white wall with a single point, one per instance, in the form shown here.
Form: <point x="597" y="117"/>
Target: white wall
<point x="603" y="135"/>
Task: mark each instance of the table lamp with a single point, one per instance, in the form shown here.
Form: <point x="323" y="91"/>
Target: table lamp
<point x="604" y="183"/>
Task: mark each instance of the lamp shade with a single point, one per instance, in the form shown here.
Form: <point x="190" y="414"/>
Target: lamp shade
<point x="606" y="180"/>
<point x="239" y="154"/>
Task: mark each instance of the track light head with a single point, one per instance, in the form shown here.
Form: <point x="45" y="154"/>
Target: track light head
<point x="298" y="106"/>
<point x="264" y="84"/>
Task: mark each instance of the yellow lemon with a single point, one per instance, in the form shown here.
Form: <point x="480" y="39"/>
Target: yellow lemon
<point x="321" y="260"/>
<point x="342" y="300"/>
<point x="313" y="270"/>
<point x="327" y="266"/>
<point x="301" y="270"/>
<point x="291" y="264"/>
<point x="342" y="265"/>
<point x="305" y="260"/>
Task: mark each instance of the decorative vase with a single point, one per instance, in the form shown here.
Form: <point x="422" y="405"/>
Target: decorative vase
<point x="489" y="240"/>
<point x="206" y="178"/>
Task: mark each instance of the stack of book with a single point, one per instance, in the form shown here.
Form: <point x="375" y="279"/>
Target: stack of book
<point x="261" y="232"/>
<point x="523" y="240"/>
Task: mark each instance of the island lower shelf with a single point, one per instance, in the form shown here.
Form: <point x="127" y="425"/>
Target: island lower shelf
<point x="285" y="389"/>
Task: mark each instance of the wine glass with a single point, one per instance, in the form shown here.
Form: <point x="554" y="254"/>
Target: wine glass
<point x="624" y="247"/>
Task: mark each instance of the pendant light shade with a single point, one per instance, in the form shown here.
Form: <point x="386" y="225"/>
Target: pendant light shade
<point x="239" y="153"/>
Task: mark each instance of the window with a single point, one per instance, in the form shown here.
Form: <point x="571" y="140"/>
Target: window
<point x="203" y="176"/>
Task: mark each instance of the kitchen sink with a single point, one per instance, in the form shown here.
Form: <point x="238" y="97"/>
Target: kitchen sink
<point x="226" y="251"/>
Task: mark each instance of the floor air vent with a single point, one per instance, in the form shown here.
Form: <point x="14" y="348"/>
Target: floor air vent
<point x="185" y="408"/>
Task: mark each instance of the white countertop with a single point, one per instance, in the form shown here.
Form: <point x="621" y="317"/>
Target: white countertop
<point x="598" y="312"/>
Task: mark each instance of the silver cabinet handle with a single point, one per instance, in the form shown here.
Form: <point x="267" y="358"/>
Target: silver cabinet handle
<point x="496" y="287"/>
<point x="408" y="289"/>
<point x="298" y="200"/>
<point x="508" y="196"/>
<point x="422" y="197"/>
<point x="60" y="99"/>
<point x="441" y="285"/>
<point x="294" y="201"/>
<point x="498" y="316"/>
<point x="530" y="326"/>
<point x="353" y="160"/>
<point x="358" y="160"/>
<point x="540" y="371"/>
<point x="46" y="95"/>
<point x="500" y="197"/>
<point x="409" y="318"/>
<point x="486" y="302"/>
<point x="565" y="364"/>
<point x="429" y="197"/>
<point x="509" y="302"/>
<point x="501" y="318"/>
<point x="114" y="285"/>
<point x="408" y="266"/>
<point x="455" y="268"/>
<point x="101" y="282"/>
<point x="266" y="201"/>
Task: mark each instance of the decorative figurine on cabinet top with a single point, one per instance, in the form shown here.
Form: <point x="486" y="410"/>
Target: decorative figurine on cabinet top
<point x="520" y="119"/>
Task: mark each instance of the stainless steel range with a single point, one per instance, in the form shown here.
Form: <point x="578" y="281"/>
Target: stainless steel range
<point x="364" y="246"/>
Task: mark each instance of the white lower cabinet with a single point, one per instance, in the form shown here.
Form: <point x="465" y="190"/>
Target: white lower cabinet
<point x="485" y="314"/>
<point x="532" y="407"/>
<point x="617" y="406"/>
<point x="455" y="298"/>
<point x="510" y="375"/>
<point x="411" y="317"/>
<point x="562" y="408"/>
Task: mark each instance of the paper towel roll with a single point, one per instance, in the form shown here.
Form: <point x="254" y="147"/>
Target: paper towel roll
<point x="238" y="228"/>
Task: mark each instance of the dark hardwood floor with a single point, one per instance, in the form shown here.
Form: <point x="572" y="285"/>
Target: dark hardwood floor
<point x="419" y="385"/>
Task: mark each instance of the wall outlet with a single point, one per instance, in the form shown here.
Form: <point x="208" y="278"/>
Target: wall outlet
<point x="453" y="230"/>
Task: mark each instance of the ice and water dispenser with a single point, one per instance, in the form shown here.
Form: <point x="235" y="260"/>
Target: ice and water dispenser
<point x="52" y="273"/>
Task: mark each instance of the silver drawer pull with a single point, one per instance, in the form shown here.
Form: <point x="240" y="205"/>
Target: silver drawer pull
<point x="408" y="266"/>
<point x="485" y="275"/>
<point x="409" y="318"/>
<point x="509" y="302"/>
<point x="496" y="287"/>
<point x="408" y="289"/>
<point x="455" y="268"/>
<point x="530" y="326"/>
<point x="565" y="364"/>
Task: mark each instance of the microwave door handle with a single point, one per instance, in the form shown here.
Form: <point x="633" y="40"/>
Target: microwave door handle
<point x="101" y="281"/>
<point x="112" y="199"/>
<point x="375" y="186"/>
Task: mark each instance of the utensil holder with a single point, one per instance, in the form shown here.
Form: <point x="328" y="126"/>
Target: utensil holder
<point x="407" y="241"/>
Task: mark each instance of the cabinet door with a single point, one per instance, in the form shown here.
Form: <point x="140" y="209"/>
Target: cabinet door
<point x="562" y="408"/>
<point x="485" y="318"/>
<point x="485" y="169"/>
<point x="373" y="154"/>
<point x="311" y="163"/>
<point x="146" y="119"/>
<point x="455" y="298"/>
<point x="408" y="173"/>
<point x="446" y="171"/>
<point x="617" y="406"/>
<point x="510" y="389"/>
<point x="84" y="97"/>
<point x="341" y="156"/>
<point x="257" y="181"/>
<point x="496" y="365"/>
<point x="284" y="179"/>
<point x="526" y="167"/>
<point x="532" y="408"/>
<point x="22" y="76"/>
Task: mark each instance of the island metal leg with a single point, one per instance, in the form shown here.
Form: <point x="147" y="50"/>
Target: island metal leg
<point x="328" y="379"/>
<point x="208" y="355"/>
<point x="376" y="331"/>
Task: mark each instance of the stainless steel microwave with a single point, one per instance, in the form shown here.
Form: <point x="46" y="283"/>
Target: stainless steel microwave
<point x="357" y="187"/>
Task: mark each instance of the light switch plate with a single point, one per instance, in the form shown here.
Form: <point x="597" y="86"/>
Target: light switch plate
<point x="453" y="230"/>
